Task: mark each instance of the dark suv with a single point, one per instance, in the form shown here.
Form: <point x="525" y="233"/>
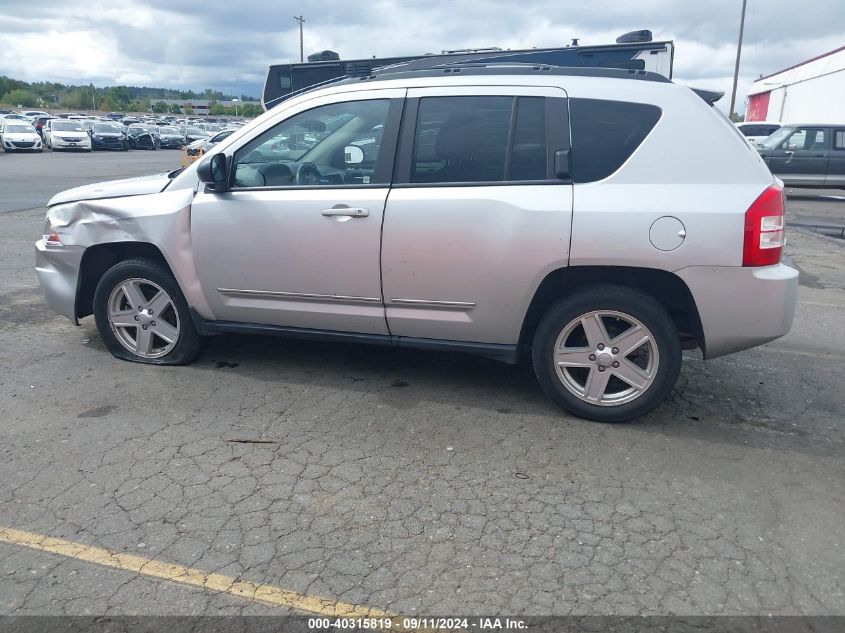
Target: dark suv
<point x="811" y="155"/>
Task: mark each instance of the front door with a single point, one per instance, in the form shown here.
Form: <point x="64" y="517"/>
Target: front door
<point x="801" y="159"/>
<point x="295" y="239"/>
<point x="476" y="217"/>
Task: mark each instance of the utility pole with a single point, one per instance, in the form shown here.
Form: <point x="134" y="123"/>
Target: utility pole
<point x="301" y="20"/>
<point x="738" y="54"/>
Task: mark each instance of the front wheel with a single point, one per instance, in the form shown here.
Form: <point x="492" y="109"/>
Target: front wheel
<point x="142" y="315"/>
<point x="607" y="353"/>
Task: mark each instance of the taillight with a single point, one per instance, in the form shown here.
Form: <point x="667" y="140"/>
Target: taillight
<point x="764" y="236"/>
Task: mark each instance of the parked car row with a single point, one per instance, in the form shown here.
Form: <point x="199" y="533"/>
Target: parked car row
<point x="72" y="131"/>
<point x="73" y="134"/>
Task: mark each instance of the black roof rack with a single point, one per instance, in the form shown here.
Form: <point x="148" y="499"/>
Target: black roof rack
<point x="428" y="68"/>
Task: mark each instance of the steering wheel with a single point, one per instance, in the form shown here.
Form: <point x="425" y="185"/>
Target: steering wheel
<point x="308" y="174"/>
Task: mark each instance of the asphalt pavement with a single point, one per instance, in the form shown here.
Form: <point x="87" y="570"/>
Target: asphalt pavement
<point x="404" y="481"/>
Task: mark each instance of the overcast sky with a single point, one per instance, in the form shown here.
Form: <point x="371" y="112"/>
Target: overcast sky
<point x="227" y="44"/>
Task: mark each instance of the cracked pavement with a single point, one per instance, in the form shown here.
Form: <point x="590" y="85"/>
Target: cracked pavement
<point x="413" y="482"/>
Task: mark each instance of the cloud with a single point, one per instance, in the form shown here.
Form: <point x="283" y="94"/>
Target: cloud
<point x="228" y="46"/>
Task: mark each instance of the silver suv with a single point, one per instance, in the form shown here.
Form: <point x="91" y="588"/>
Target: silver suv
<point x="490" y="210"/>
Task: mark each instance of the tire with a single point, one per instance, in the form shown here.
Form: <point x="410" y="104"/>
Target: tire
<point x="112" y="295"/>
<point x="613" y="314"/>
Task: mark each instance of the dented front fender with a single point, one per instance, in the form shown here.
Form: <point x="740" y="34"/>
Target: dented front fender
<point x="161" y="219"/>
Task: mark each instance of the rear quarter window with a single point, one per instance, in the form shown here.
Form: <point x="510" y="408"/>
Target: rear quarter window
<point x="605" y="134"/>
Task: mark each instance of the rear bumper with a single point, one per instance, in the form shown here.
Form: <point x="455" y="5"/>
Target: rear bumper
<point x="741" y="308"/>
<point x="58" y="274"/>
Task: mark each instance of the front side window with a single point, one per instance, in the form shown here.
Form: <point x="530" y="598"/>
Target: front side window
<point x="331" y="145"/>
<point x="839" y="140"/>
<point x="805" y="139"/>
<point x="605" y="134"/>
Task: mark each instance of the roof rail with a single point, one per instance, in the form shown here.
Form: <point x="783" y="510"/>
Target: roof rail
<point x="430" y="68"/>
<point x="488" y="49"/>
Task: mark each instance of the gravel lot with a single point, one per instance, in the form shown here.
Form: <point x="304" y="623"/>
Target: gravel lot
<point x="412" y="482"/>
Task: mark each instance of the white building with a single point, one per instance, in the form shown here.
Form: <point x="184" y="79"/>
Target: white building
<point x="810" y="92"/>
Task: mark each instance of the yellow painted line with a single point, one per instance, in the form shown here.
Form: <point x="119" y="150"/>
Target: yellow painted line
<point x="254" y="591"/>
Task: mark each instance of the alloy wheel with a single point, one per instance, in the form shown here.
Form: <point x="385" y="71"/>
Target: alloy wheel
<point x="143" y="318"/>
<point x="606" y="358"/>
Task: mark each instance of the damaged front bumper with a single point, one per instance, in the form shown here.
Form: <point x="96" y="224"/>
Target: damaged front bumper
<point x="58" y="273"/>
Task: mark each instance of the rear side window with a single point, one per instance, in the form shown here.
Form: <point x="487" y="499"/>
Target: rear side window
<point x="605" y="134"/>
<point x="839" y="139"/>
<point x="469" y="139"/>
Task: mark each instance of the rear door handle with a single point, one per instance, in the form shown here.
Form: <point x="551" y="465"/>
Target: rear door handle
<point x="341" y="210"/>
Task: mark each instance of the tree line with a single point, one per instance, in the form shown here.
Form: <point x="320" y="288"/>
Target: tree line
<point x="43" y="94"/>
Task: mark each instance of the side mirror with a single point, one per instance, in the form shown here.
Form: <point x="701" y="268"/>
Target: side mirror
<point x="563" y="169"/>
<point x="353" y="155"/>
<point x="213" y="172"/>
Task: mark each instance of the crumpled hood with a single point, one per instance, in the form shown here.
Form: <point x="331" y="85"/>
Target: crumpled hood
<point x="139" y="186"/>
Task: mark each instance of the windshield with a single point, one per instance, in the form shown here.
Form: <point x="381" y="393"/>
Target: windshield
<point x="106" y="128"/>
<point x="168" y="130"/>
<point x="19" y="129"/>
<point x="193" y="131"/>
<point x="770" y="142"/>
<point x="67" y="126"/>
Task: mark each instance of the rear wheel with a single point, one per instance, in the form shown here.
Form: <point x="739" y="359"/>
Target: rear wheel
<point x="607" y="353"/>
<point x="142" y="315"/>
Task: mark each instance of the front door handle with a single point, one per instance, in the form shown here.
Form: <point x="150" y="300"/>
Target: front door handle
<point x="341" y="210"/>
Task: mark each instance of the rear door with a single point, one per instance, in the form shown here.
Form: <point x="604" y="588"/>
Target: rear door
<point x="836" y="163"/>
<point x="475" y="217"/>
<point x="801" y="159"/>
